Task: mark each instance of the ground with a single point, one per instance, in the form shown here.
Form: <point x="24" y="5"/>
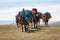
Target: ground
<point x="11" y="32"/>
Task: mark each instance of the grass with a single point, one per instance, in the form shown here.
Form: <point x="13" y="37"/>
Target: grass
<point x="11" y="32"/>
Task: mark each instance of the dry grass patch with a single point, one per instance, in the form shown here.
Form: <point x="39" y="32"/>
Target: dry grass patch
<point x="11" y="32"/>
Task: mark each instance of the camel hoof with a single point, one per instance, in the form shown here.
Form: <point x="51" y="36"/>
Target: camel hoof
<point x="18" y="26"/>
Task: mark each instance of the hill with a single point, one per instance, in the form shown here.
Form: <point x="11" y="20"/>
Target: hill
<point x="58" y="22"/>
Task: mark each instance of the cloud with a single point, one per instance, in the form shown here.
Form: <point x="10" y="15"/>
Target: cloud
<point x="9" y="13"/>
<point x="18" y="3"/>
<point x="10" y="0"/>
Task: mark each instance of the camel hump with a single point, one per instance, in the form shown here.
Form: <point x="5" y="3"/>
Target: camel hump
<point x="30" y="14"/>
<point x="48" y="15"/>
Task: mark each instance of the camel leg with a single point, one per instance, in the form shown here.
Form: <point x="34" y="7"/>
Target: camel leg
<point x="46" y="23"/>
<point x="28" y="29"/>
<point x="25" y="29"/>
<point x="17" y="25"/>
<point x="22" y="27"/>
<point x="39" y="22"/>
<point x="31" y="24"/>
<point x="36" y="25"/>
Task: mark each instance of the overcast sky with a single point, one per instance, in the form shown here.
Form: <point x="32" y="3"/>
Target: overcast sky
<point x="9" y="8"/>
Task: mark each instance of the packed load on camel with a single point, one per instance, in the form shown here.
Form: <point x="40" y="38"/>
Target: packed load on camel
<point x="25" y="17"/>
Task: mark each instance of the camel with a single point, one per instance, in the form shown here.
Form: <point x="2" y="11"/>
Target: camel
<point x="46" y="17"/>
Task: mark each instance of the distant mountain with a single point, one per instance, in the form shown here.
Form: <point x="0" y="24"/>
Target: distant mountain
<point x="58" y="22"/>
<point x="7" y="22"/>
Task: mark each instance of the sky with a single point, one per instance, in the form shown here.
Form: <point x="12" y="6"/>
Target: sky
<point x="10" y="8"/>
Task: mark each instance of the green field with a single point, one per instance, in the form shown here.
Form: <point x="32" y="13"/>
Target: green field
<point x="11" y="32"/>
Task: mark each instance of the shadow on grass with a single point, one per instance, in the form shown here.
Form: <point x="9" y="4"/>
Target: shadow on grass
<point x="34" y="30"/>
<point x="38" y="29"/>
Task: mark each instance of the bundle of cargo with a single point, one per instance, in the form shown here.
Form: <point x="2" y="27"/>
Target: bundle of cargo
<point x="48" y="15"/>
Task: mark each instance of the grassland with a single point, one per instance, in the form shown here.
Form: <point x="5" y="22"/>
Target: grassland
<point x="11" y="32"/>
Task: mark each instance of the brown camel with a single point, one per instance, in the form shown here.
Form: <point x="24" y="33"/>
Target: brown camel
<point x="46" y="18"/>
